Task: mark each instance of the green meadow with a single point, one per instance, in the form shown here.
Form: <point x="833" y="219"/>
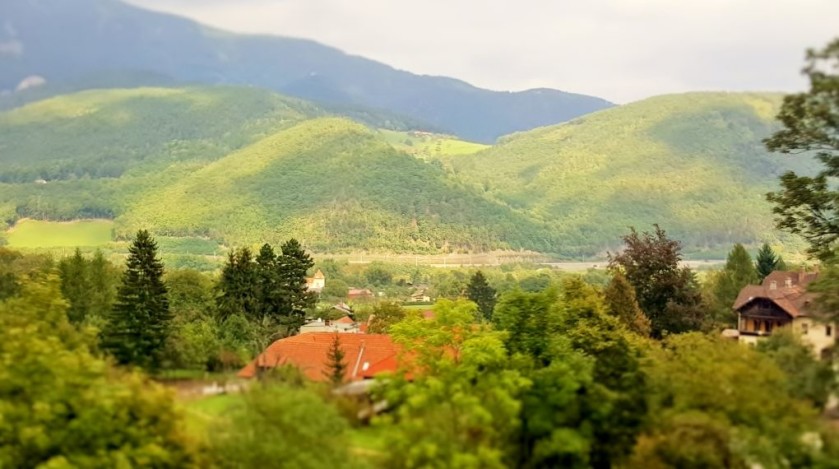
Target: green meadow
<point x="48" y="234"/>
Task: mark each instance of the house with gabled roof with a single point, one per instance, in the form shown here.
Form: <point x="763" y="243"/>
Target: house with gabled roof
<point x="782" y="300"/>
<point x="366" y="355"/>
<point x="316" y="282"/>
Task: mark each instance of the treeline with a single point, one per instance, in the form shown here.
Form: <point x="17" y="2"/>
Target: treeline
<point x="623" y="370"/>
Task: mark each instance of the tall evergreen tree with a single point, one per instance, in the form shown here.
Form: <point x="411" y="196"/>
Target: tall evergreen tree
<point x="237" y="292"/>
<point x="292" y="265"/>
<point x="139" y="324"/>
<point x="482" y="294"/>
<point x="76" y="287"/>
<point x="766" y="262"/>
<point x="336" y="367"/>
<point x="269" y="296"/>
<point x="104" y="280"/>
<point x="739" y="271"/>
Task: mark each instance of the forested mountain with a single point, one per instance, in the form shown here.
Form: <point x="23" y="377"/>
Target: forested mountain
<point x="243" y="165"/>
<point x="105" y="42"/>
<point x="694" y="163"/>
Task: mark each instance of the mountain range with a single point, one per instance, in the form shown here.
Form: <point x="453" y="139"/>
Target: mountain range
<point x="48" y="47"/>
<point x="241" y="165"/>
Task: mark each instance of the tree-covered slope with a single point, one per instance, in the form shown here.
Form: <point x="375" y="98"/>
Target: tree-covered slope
<point x="335" y="185"/>
<point x="694" y="163"/>
<point x="103" y="133"/>
<point x="68" y="42"/>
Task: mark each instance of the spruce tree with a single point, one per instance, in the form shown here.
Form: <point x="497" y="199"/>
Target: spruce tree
<point x="482" y="294"/>
<point x="336" y="368"/>
<point x="237" y="292"/>
<point x="268" y="296"/>
<point x="139" y="323"/>
<point x="292" y="266"/>
<point x="766" y="262"/>
<point x="738" y="272"/>
<point x="76" y="287"/>
<point x="104" y="279"/>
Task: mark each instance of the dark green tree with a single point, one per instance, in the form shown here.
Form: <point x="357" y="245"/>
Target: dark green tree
<point x="139" y="324"/>
<point x="293" y="264"/>
<point x="104" y="280"/>
<point x="269" y="295"/>
<point x="738" y="272"/>
<point x="766" y="262"/>
<point x="668" y="294"/>
<point x="237" y="292"/>
<point x="482" y="294"/>
<point x="336" y="368"/>
<point x="76" y="286"/>
<point x="809" y="206"/>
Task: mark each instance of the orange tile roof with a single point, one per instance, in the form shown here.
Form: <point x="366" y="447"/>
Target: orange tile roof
<point x="344" y="320"/>
<point x="789" y="292"/>
<point x="309" y="352"/>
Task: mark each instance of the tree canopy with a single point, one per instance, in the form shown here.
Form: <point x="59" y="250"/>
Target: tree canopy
<point x="805" y="205"/>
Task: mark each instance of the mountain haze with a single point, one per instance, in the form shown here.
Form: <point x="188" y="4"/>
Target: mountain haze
<point x="73" y="41"/>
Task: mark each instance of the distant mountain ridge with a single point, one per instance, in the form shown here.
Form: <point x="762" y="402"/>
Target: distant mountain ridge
<point x="242" y="165"/>
<point x="63" y="40"/>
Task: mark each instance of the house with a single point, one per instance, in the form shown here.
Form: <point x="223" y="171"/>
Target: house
<point x="366" y="355"/>
<point x="343" y="325"/>
<point x="316" y="282"/>
<point x="782" y="300"/>
<point x="420" y="295"/>
<point x="359" y="293"/>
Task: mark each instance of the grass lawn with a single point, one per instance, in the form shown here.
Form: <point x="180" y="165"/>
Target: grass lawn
<point x="47" y="234"/>
<point x="201" y="412"/>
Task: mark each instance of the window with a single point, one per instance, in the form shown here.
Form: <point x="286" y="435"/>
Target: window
<point x="828" y="331"/>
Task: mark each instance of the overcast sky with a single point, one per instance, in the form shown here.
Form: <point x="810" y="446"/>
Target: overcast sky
<point x="621" y="50"/>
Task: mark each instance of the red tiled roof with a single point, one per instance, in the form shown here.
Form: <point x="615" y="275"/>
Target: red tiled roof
<point x="309" y="352"/>
<point x="788" y="290"/>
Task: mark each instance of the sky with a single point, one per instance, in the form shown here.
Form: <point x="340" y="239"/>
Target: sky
<point x="620" y="50"/>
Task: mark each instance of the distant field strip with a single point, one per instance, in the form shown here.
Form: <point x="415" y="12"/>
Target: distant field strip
<point x="47" y="234"/>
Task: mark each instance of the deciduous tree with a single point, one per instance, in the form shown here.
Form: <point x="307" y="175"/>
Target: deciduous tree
<point x="668" y="294"/>
<point x="622" y="303"/>
<point x="809" y="206"/>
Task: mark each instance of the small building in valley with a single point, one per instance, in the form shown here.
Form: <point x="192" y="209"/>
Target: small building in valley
<point x="316" y="282"/>
<point x="782" y="300"/>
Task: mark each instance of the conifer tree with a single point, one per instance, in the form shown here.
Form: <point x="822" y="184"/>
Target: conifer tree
<point x="139" y="323"/>
<point x="336" y="367"/>
<point x="76" y="286"/>
<point x="237" y="285"/>
<point x="766" y="262"/>
<point x="738" y="272"/>
<point x="482" y="294"/>
<point x="292" y="266"/>
<point x="269" y="295"/>
<point x="622" y="303"/>
<point x="104" y="279"/>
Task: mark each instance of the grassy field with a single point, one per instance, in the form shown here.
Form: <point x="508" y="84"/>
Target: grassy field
<point x="45" y="234"/>
<point x="430" y="145"/>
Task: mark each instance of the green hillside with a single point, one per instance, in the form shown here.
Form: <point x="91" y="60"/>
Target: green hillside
<point x="234" y="166"/>
<point x="693" y="163"/>
<point x="336" y="186"/>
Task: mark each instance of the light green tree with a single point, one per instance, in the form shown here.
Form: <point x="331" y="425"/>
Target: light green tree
<point x="61" y="406"/>
<point x="463" y="386"/>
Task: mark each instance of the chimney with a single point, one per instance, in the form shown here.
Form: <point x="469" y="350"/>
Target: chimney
<point x="773" y="285"/>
